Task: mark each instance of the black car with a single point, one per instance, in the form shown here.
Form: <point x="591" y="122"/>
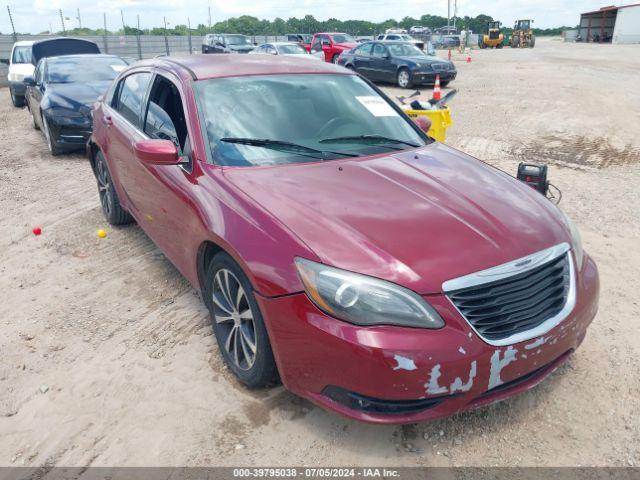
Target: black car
<point x="226" y="43"/>
<point x="61" y="93"/>
<point x="397" y="62"/>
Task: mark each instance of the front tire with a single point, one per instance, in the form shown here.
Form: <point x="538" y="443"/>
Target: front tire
<point x="51" y="142"/>
<point x="403" y="78"/>
<point x="111" y="208"/>
<point x="18" y="101"/>
<point x="237" y="323"/>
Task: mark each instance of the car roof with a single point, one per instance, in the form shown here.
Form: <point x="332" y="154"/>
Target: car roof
<point x="81" y="55"/>
<point x="204" y="67"/>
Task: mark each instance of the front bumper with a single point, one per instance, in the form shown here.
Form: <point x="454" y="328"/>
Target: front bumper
<point x="18" y="88"/>
<point x="70" y="133"/>
<point x="389" y="374"/>
<point x="429" y="78"/>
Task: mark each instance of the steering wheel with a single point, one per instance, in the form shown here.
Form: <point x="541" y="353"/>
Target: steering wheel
<point x="331" y="125"/>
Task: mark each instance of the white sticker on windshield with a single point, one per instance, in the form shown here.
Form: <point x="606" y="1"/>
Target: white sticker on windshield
<point x="377" y="106"/>
<point x="118" y="68"/>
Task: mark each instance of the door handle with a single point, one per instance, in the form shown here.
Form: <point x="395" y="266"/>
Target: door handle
<point x="107" y="120"/>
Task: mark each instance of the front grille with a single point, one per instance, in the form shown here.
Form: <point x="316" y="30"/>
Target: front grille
<point x="493" y="35"/>
<point x="518" y="303"/>
<point x="440" y="67"/>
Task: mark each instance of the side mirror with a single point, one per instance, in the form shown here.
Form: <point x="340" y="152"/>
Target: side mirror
<point x="4" y="60"/>
<point x="157" y="152"/>
<point x="424" y="123"/>
<point x="29" y="81"/>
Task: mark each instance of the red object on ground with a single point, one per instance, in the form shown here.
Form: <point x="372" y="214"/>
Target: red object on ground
<point x="469" y="57"/>
<point x="437" y="94"/>
<point x="37" y="231"/>
<point x="427" y="219"/>
<point x="449" y="55"/>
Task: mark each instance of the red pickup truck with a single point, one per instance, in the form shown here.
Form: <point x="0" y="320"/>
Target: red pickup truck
<point x="332" y="45"/>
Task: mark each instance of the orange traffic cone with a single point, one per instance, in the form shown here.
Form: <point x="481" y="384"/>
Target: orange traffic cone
<point x="449" y="55"/>
<point x="469" y="57"/>
<point x="436" y="89"/>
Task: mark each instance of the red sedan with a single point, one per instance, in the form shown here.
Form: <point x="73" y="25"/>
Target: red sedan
<point x="339" y="249"/>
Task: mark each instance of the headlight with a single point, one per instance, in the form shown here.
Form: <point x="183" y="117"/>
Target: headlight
<point x="15" y="77"/>
<point x="576" y="240"/>
<point x="63" y="112"/>
<point x="364" y="300"/>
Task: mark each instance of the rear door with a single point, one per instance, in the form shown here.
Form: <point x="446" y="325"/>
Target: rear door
<point x="380" y="65"/>
<point x="362" y="59"/>
<point x="124" y="121"/>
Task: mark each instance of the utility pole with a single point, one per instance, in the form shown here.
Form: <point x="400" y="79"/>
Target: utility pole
<point x="448" y="15"/>
<point x="209" y="18"/>
<point x="124" y="29"/>
<point x="189" y="33"/>
<point x="455" y="13"/>
<point x="64" y="30"/>
<point x="138" y="38"/>
<point x="13" y="28"/>
<point x="104" y="38"/>
<point x="166" y="40"/>
<point x="79" y="20"/>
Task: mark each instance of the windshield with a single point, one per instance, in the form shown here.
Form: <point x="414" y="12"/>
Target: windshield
<point x="237" y="40"/>
<point x="307" y="38"/>
<point x="21" y="55"/>
<point x="292" y="49"/>
<point x="310" y="110"/>
<point x="90" y="69"/>
<point x="343" y="38"/>
<point x="404" y="50"/>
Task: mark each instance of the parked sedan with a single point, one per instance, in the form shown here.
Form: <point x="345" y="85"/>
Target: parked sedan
<point x="398" y="62"/>
<point x="374" y="271"/>
<point x="288" y="49"/>
<point x="62" y="92"/>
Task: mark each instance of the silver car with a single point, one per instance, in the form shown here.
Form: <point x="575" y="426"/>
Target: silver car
<point x="287" y="49"/>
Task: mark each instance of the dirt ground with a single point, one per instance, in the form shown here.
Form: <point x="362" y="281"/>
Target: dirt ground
<point x="106" y="354"/>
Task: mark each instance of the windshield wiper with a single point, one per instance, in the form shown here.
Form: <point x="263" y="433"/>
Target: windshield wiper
<point x="369" y="138"/>
<point x="285" y="146"/>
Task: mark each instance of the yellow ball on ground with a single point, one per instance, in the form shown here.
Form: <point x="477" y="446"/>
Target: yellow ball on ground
<point x="102" y="233"/>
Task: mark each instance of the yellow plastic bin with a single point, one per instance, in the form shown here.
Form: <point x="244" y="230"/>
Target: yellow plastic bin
<point x="440" y="121"/>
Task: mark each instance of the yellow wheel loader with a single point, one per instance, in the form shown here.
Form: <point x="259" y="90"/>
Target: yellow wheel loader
<point x="522" y="36"/>
<point x="493" y="38"/>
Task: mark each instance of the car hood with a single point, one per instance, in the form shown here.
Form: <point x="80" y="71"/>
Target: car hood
<point x="415" y="218"/>
<point x="75" y="95"/>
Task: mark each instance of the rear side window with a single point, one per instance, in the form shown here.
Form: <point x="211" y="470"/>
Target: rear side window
<point x="131" y="93"/>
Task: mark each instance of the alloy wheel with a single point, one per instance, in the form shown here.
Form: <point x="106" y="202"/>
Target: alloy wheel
<point x="403" y="78"/>
<point x="234" y="316"/>
<point x="104" y="189"/>
<point x="47" y="133"/>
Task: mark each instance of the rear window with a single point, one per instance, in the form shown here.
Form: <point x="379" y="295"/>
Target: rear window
<point x="21" y="55"/>
<point x="83" y="70"/>
<point x="131" y="92"/>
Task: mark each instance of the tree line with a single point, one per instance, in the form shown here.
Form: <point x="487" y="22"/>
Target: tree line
<point x="249" y="25"/>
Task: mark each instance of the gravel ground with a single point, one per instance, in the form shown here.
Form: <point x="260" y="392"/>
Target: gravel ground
<point x="106" y="355"/>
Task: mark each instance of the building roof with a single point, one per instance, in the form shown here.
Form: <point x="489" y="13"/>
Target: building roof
<point x="202" y="67"/>
<point x="611" y="8"/>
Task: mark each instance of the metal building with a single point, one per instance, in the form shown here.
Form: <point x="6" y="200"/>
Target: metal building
<point x="611" y="24"/>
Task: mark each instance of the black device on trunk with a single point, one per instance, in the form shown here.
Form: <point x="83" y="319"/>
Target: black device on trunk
<point x="535" y="176"/>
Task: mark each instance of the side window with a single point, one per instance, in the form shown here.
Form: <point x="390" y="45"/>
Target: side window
<point x="165" y="115"/>
<point x="364" y="50"/>
<point x="316" y="43"/>
<point x="38" y="73"/>
<point x="380" y="37"/>
<point x="393" y="37"/>
<point x="379" y="50"/>
<point x="131" y="93"/>
<point x="270" y="50"/>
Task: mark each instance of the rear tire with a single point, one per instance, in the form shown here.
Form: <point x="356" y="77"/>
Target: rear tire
<point x="34" y="124"/>
<point x="334" y="59"/>
<point x="111" y="208"/>
<point x="17" y="100"/>
<point x="237" y="323"/>
<point x="533" y="41"/>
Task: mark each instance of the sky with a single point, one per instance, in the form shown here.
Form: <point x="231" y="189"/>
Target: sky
<point x="33" y="16"/>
